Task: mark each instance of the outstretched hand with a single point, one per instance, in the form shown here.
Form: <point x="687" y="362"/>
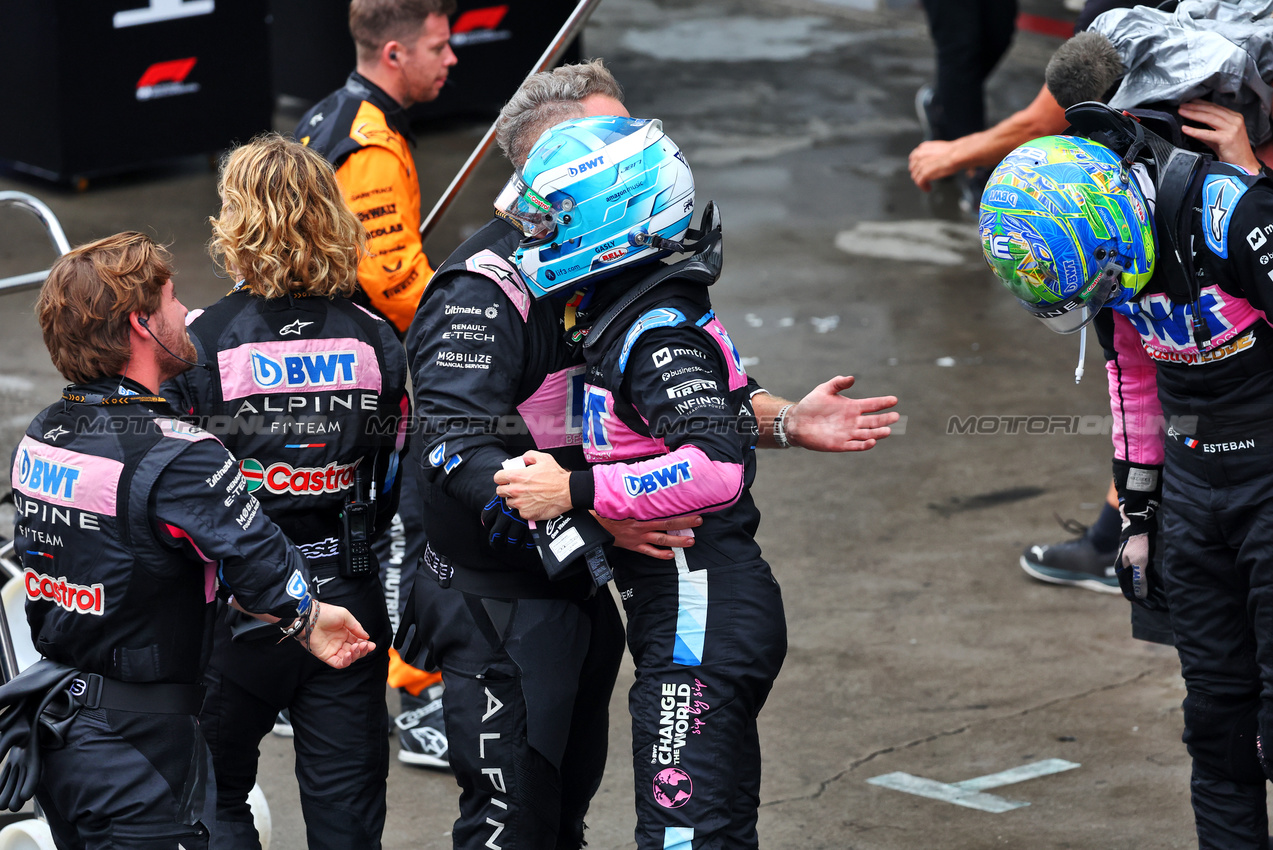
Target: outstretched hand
<point x="932" y="160"/>
<point x="825" y="421"/>
<point x="334" y="637"/>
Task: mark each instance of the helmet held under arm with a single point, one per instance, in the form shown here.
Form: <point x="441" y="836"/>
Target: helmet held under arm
<point x="1066" y="228"/>
<point x="597" y="194"/>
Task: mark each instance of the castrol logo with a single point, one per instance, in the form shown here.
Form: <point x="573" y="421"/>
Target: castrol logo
<point x="75" y="598"/>
<point x="282" y="478"/>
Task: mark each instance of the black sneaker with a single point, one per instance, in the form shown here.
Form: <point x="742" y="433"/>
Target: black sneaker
<point x="422" y="732"/>
<point x="923" y="105"/>
<point x="971" y="188"/>
<point x="1075" y="562"/>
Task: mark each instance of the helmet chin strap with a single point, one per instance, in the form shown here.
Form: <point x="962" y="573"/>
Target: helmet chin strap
<point x="1078" y="371"/>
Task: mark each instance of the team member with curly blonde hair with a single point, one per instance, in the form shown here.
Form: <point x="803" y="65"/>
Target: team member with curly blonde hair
<point x="307" y="389"/>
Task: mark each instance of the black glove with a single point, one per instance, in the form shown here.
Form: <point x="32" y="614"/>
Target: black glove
<point x="1139" y="494"/>
<point x="21" y="771"/>
<point x="506" y="531"/>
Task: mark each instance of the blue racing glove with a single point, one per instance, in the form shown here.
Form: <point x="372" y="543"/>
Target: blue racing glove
<point x="506" y="531"/>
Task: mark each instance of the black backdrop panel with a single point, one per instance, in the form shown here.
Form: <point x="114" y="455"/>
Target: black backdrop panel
<point x="110" y="85"/>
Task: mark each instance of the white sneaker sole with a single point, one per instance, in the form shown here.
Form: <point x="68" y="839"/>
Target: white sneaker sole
<point x="1087" y="584"/>
<point x="422" y="760"/>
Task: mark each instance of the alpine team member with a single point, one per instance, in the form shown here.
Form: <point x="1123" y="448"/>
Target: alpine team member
<point x="310" y="392"/>
<point x="668" y="420"/>
<point x="404" y="54"/>
<point x="507" y="386"/>
<point x="1177" y="247"/>
<point x="528" y="664"/>
<point x="130" y="521"/>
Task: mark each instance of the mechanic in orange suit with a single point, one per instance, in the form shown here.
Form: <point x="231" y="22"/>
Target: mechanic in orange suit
<point x="404" y="55"/>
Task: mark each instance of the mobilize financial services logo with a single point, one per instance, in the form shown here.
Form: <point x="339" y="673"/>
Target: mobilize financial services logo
<point x="298" y="371"/>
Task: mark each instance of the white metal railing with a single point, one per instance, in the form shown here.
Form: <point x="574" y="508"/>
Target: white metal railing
<point x="37" y="208"/>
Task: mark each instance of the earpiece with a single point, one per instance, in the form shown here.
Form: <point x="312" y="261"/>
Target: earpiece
<point x="145" y="323"/>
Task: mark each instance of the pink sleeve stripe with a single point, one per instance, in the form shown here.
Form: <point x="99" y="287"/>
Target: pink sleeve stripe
<point x="298" y="366"/>
<point x="375" y="316"/>
<point x="65" y="478"/>
<point x="682" y="482"/>
<point x="209" y="572"/>
<point x="404" y="424"/>
<point x="179" y="430"/>
<point x="1133" y="398"/>
<point x="733" y="360"/>
<point x="507" y="277"/>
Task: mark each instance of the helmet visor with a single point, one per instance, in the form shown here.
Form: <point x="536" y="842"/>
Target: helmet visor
<point x="1075" y="312"/>
<point x="523" y="207"/>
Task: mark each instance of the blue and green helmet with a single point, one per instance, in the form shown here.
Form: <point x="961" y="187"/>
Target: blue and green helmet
<point x="1066" y="228"/>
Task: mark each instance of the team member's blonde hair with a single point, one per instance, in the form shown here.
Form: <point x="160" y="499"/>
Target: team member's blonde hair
<point x="85" y="303"/>
<point x="284" y="225"/>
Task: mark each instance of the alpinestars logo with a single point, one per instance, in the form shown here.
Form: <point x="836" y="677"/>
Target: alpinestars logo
<point x="478" y="26"/>
<point x="167" y="79"/>
<point x="294" y="328"/>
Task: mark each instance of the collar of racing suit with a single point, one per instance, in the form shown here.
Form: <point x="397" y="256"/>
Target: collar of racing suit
<point x="395" y="115"/>
<point x="113" y="389"/>
<point x="614" y="299"/>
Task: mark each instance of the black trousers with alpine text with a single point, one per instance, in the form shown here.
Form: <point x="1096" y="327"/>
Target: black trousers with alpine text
<point x="528" y="685"/>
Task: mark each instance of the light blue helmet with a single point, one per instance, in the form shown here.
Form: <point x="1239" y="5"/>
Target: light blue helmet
<point x="597" y="194"/>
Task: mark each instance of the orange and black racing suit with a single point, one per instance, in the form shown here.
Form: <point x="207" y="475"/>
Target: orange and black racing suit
<point x="364" y="133"/>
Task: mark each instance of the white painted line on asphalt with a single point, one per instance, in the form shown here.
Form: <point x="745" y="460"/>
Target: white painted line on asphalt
<point x="944" y="243"/>
<point x="921" y="787"/>
<point x="1018" y="774"/>
<point x="968" y="792"/>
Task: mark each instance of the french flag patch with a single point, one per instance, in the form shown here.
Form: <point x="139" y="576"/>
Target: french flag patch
<point x="1191" y="443"/>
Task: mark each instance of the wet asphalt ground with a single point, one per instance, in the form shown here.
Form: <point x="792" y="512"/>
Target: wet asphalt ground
<point x="917" y="645"/>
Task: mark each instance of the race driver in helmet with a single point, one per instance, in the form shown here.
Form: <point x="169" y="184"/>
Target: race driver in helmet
<point x="1177" y="247"/>
<point x="669" y="428"/>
